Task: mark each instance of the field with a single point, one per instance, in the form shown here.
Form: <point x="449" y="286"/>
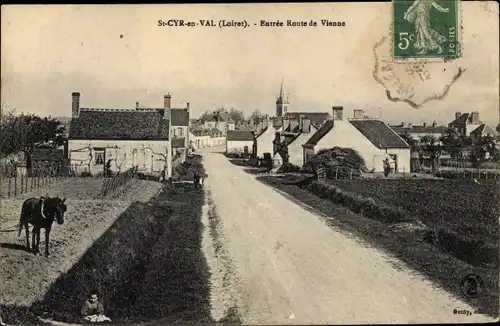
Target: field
<point x="468" y="208"/>
<point x="122" y="247"/>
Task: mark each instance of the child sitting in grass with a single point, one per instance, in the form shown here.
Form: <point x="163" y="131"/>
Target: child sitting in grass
<point x="93" y="311"/>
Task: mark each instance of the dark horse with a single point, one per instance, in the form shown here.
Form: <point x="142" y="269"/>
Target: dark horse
<point x="41" y="212"/>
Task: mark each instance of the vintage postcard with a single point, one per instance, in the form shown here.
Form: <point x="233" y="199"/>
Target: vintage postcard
<point x="274" y="163"/>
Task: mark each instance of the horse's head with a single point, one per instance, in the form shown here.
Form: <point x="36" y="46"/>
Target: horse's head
<point x="57" y="207"/>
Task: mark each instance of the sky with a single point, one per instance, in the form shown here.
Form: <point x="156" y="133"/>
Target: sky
<point x="116" y="55"/>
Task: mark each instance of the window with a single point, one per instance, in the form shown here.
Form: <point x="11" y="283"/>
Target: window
<point x="179" y="132"/>
<point x="99" y="157"/>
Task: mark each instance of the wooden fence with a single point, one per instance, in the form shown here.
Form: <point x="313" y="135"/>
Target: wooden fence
<point x="110" y="185"/>
<point x="21" y="184"/>
<point x="321" y="172"/>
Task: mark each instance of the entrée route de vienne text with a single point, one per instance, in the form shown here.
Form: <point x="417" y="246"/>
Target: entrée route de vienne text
<point x="244" y="24"/>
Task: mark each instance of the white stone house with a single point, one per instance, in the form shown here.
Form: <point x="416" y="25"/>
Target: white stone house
<point x="219" y="120"/>
<point x="264" y="140"/>
<point x="206" y="138"/>
<point x="240" y="141"/>
<point x="290" y="147"/>
<point x="465" y="123"/>
<point x="372" y="139"/>
<point x="126" y="138"/>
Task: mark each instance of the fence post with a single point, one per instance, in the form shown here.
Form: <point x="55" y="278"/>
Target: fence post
<point x="10" y="186"/>
<point x="27" y="180"/>
<point x="22" y="183"/>
<point x="15" y="184"/>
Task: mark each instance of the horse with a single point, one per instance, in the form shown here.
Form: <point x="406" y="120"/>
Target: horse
<point x="41" y="212"/>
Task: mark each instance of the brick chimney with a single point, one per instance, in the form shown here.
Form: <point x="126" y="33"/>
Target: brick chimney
<point x="187" y="106"/>
<point x="305" y="125"/>
<point x="457" y="115"/>
<point x="424" y="124"/>
<point x="434" y="124"/>
<point x="338" y="113"/>
<point x="167" y="101"/>
<point x="137" y="105"/>
<point x="475" y="117"/>
<point x="358" y="114"/>
<point x="75" y="104"/>
<point x="166" y="105"/>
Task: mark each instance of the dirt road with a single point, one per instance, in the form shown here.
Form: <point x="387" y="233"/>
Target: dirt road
<point x="284" y="265"/>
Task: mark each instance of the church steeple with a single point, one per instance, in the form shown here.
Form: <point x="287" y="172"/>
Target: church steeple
<point x="281" y="101"/>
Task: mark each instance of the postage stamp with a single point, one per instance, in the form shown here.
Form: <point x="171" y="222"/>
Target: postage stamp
<point x="426" y="29"/>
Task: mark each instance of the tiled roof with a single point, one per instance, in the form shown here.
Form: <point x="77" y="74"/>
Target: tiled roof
<point x="318" y="135"/>
<point x="261" y="132"/>
<point x="289" y="139"/>
<point x="47" y="154"/>
<point x="242" y="135"/>
<point x="419" y="129"/>
<point x="463" y="119"/>
<point x="241" y="127"/>
<point x="219" y="116"/>
<point x="484" y="129"/>
<point x="179" y="117"/>
<point x="380" y="134"/>
<point x="123" y="125"/>
<point x="295" y="129"/>
<point x="376" y="131"/>
<point x="317" y="118"/>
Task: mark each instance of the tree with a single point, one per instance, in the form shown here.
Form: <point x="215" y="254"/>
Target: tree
<point x="338" y="162"/>
<point x="256" y="116"/>
<point x="236" y="115"/>
<point x="453" y="142"/>
<point x="483" y="148"/>
<point x="25" y="132"/>
<point x="205" y="116"/>
<point x="432" y="147"/>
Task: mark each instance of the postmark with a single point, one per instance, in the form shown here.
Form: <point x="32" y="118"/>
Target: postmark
<point x="471" y="285"/>
<point x="426" y="29"/>
<point x="414" y="83"/>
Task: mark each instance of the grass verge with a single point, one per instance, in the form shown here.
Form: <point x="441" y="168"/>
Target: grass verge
<point x="147" y="267"/>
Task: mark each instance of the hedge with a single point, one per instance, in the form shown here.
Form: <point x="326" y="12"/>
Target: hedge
<point x="472" y="251"/>
<point x="365" y="206"/>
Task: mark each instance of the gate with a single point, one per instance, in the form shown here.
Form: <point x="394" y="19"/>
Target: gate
<point x="321" y="172"/>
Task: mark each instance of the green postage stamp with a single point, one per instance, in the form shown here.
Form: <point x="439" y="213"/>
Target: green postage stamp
<point x="426" y="29"/>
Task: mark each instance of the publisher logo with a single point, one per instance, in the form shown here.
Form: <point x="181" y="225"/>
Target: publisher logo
<point x="471" y="286"/>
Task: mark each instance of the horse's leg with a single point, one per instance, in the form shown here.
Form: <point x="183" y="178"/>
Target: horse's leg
<point x="27" y="227"/>
<point x="47" y="236"/>
<point x="33" y="240"/>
